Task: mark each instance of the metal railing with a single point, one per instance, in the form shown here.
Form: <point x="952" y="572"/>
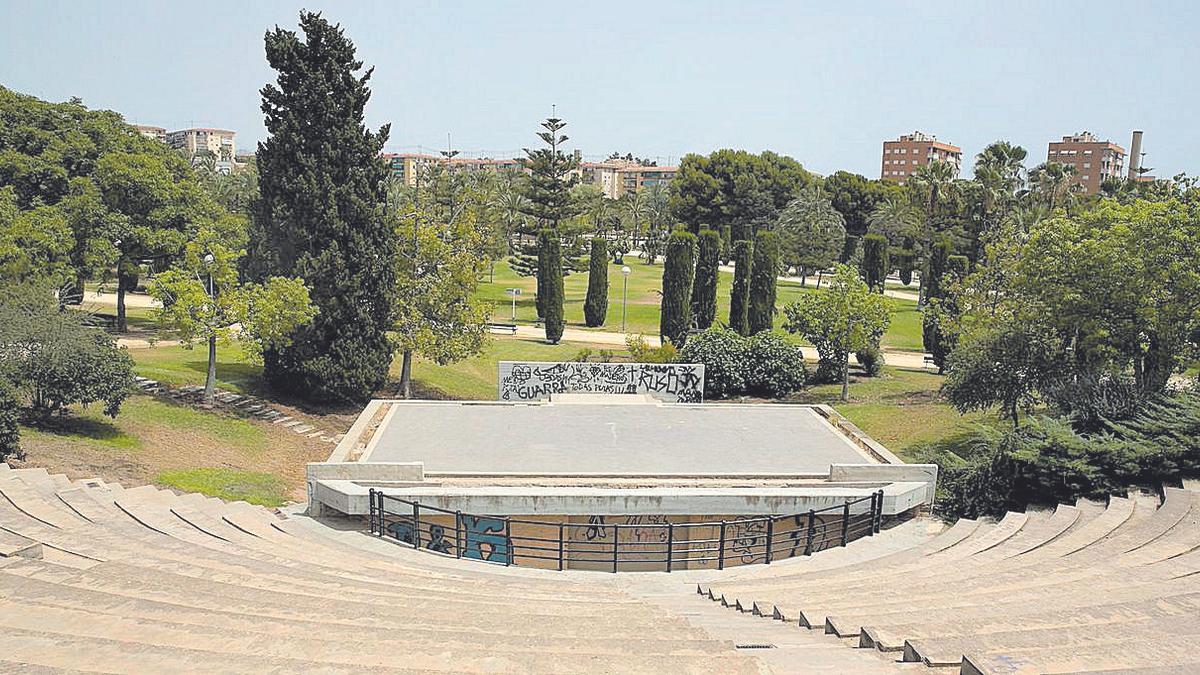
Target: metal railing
<point x="646" y="543"/>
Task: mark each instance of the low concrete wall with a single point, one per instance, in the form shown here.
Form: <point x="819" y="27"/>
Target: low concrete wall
<point x="315" y="472"/>
<point x="910" y="473"/>
<point x="857" y="436"/>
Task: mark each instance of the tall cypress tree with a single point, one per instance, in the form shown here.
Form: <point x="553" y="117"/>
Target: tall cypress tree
<point x="550" y="260"/>
<point x="678" y="267"/>
<point x="875" y="261"/>
<point x="595" y="307"/>
<point x="704" y="288"/>
<point x="548" y="202"/>
<point x="320" y="216"/>
<point x="739" y="299"/>
<point x="764" y="272"/>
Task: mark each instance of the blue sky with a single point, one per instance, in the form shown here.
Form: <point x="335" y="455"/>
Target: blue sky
<point x="824" y="82"/>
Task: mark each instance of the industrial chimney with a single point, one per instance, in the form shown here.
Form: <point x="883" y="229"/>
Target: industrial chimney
<point x="1135" y="156"/>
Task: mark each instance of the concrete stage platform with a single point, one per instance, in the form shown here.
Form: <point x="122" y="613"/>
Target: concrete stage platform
<point x="588" y="454"/>
<point x="564" y="438"/>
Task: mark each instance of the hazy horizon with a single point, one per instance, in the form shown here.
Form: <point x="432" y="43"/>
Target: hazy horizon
<point x="825" y="85"/>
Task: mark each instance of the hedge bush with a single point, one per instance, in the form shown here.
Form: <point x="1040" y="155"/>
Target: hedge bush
<point x="774" y="366"/>
<point x="723" y="353"/>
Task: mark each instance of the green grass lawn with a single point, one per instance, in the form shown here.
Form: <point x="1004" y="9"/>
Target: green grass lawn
<point x="143" y="416"/>
<point x="644" y="298"/>
<point x="176" y="366"/>
<point x="900" y="409"/>
<point x="249" y="486"/>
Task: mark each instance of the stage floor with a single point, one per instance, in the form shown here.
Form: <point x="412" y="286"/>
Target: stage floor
<point x="700" y="439"/>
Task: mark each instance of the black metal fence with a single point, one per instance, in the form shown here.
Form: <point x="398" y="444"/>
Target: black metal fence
<point x="643" y="543"/>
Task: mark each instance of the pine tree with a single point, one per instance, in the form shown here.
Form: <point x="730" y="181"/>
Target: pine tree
<point x="875" y="261"/>
<point x="739" y="300"/>
<point x="678" y="268"/>
<point x="704" y="288"/>
<point x="550" y="257"/>
<point x="764" y="272"/>
<point x="595" y="307"/>
<point x="320" y="215"/>
<point x="548" y="202"/>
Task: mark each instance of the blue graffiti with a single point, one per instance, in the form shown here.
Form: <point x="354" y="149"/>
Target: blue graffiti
<point x="486" y="539"/>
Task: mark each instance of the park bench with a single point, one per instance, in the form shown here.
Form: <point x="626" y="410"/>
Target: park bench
<point x="510" y="328"/>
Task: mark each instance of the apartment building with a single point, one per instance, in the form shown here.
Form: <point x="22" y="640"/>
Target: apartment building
<point x="902" y="156"/>
<point x="150" y="131"/>
<point x="408" y="165"/>
<point x="617" y="177"/>
<point x="219" y="143"/>
<point x="1094" y="160"/>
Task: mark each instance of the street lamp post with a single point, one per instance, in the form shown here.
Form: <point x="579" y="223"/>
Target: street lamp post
<point x="624" y="293"/>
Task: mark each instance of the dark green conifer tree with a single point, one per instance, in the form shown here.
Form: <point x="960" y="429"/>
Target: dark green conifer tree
<point x="875" y="261"/>
<point x="739" y="299"/>
<point x="704" y="288"/>
<point x="595" y="307"/>
<point x="679" y="265"/>
<point x="320" y="215"/>
<point x="550" y="257"/>
<point x="548" y="202"/>
<point x="764" y="272"/>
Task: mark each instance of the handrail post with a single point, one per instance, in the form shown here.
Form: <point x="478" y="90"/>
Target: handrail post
<point x="721" y="549"/>
<point x="812" y="531"/>
<point x="616" y="545"/>
<point x="561" y="532"/>
<point x="879" y="514"/>
<point x="871" y="522"/>
<point x="416" y="533"/>
<point x="670" y="543"/>
<point x="458" y="534"/>
<point x="845" y="522"/>
<point x="371" y="509"/>
<point x="382" y="515"/>
<point x="770" y="536"/>
<point x="508" y="559"/>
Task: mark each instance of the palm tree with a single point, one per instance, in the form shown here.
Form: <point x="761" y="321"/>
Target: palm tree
<point x="932" y="182"/>
<point x="636" y="208"/>
<point x="1003" y="165"/>
<point x="895" y="219"/>
<point x="1053" y="183"/>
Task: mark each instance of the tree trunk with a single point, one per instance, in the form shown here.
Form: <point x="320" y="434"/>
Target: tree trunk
<point x="803" y="277"/>
<point x="405" y="390"/>
<point x="210" y="381"/>
<point x="846" y="378"/>
<point x="122" y="325"/>
<point x="820" y="274"/>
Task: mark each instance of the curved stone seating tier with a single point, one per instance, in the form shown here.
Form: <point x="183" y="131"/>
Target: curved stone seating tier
<point x="96" y="577"/>
<point x="1083" y="588"/>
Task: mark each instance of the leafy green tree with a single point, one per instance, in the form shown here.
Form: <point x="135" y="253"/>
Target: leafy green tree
<point x="764" y="276"/>
<point x="10" y="422"/>
<point x="933" y="184"/>
<point x="1005" y="365"/>
<point x="548" y="203"/>
<point x="897" y="220"/>
<point x="438" y="264"/>
<point x="1053" y="184"/>
<point x="846" y="318"/>
<point x="320" y="215"/>
<point x="550" y="259"/>
<point x="708" y="269"/>
<point x="203" y="301"/>
<point x="856" y="198"/>
<point x="875" y="261"/>
<point x="1002" y="164"/>
<point x="678" y="274"/>
<point x="54" y="359"/>
<point x="595" y="306"/>
<point x="734" y="190"/>
<point x="739" y="299"/>
<point x="811" y="233"/>
<point x="933" y="337"/>
<point x="634" y="206"/>
<point x="34" y="244"/>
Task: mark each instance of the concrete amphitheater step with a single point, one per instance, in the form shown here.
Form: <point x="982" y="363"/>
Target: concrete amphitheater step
<point x="948" y="651"/>
<point x="892" y="637"/>
<point x="1118" y="654"/>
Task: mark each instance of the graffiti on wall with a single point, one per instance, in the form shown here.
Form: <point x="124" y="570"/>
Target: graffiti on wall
<point x="533" y="381"/>
<point x="486" y="539"/>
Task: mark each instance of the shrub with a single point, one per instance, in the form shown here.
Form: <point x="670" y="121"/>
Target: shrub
<point x="871" y="360"/>
<point x="723" y="353"/>
<point x="10" y="431"/>
<point x="774" y="366"/>
<point x="642" y="352"/>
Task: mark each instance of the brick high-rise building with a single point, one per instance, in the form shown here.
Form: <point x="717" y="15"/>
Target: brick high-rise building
<point x="1094" y="160"/>
<point x="901" y="157"/>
